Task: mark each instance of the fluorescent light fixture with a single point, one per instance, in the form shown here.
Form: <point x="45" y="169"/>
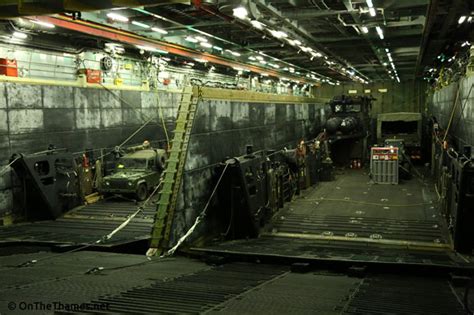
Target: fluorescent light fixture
<point x="140" y="24"/>
<point x="364" y="29"/>
<point x="380" y="32"/>
<point x="217" y="48"/>
<point x="252" y="58"/>
<point x="263" y="62"/>
<point x="398" y="79"/>
<point x="233" y="52"/>
<point x="259" y="57"/>
<point x="19" y="35"/>
<point x="152" y="49"/>
<point x="159" y="30"/>
<point x="278" y="34"/>
<point x="117" y="17"/>
<point x="469" y="19"/>
<point x="257" y="24"/>
<point x="316" y="54"/>
<point x="386" y="50"/>
<point x="201" y="39"/>
<point x="240" y="13"/>
<point x="45" y="24"/>
<point x="191" y="39"/>
<point x="191" y="64"/>
<point x="275" y="66"/>
<point x="204" y="44"/>
<point x="372" y="12"/>
<point x="369" y="3"/>
<point x="462" y="19"/>
<point x="200" y="60"/>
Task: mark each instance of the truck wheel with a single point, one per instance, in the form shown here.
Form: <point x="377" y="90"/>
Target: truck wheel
<point x="142" y="192"/>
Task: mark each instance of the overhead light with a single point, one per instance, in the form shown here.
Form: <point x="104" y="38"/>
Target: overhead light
<point x="233" y="52"/>
<point x="159" y="30"/>
<point x="152" y="49"/>
<point x="297" y="42"/>
<point x="45" y="24"/>
<point x="465" y="44"/>
<point x="387" y="50"/>
<point x="380" y="32"/>
<point x="117" y="17"/>
<point x="364" y="29"/>
<point x="191" y="39"/>
<point x="217" y="48"/>
<point x="204" y="44"/>
<point x="201" y="39"/>
<point x="140" y="24"/>
<point x="257" y="24"/>
<point x="200" y="60"/>
<point x="385" y="64"/>
<point x="372" y="12"/>
<point x="240" y="13"/>
<point x="252" y="58"/>
<point x="462" y="19"/>
<point x="259" y="57"/>
<point x="278" y="34"/>
<point x="19" y="35"/>
<point x="316" y="54"/>
<point x="469" y="19"/>
<point x="191" y="64"/>
<point x="263" y="62"/>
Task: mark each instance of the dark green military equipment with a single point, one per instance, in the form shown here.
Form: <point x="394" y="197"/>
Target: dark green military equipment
<point x="135" y="173"/>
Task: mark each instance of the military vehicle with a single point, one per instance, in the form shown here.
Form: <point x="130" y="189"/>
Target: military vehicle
<point x="135" y="173"/>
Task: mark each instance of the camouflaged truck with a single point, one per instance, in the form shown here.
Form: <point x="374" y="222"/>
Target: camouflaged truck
<point x="135" y="174"/>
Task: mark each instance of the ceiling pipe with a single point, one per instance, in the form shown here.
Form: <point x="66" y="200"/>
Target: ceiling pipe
<point x="311" y="13"/>
<point x="112" y="34"/>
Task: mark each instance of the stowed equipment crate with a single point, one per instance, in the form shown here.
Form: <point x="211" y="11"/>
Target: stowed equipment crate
<point x="384" y="165"/>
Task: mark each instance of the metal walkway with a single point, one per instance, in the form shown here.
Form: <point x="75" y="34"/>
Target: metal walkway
<point x="353" y="220"/>
<point x="85" y="225"/>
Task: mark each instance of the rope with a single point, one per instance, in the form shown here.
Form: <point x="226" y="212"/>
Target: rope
<point x="198" y="220"/>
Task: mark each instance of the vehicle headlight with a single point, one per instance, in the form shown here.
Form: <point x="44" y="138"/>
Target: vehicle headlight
<point x="107" y="183"/>
<point x="130" y="183"/>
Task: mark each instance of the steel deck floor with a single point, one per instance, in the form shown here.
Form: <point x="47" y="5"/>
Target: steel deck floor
<point x="85" y="225"/>
<point x="352" y="219"/>
<point x="132" y="284"/>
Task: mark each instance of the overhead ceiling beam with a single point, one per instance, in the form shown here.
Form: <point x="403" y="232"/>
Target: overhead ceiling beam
<point x="304" y="14"/>
<point x="11" y="9"/>
<point x="112" y="34"/>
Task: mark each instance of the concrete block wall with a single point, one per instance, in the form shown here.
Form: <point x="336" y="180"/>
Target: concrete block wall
<point x="440" y="105"/>
<point x="223" y="129"/>
<point x="34" y="116"/>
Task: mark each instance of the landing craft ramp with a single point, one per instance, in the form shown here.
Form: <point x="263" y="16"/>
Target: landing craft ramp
<point x="353" y="219"/>
<point x="85" y="225"/>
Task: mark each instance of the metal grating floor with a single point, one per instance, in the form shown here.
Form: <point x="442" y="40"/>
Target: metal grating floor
<point x="132" y="284"/>
<point x="86" y="224"/>
<point x="404" y="295"/>
<point x="353" y="219"/>
<point x="194" y="293"/>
